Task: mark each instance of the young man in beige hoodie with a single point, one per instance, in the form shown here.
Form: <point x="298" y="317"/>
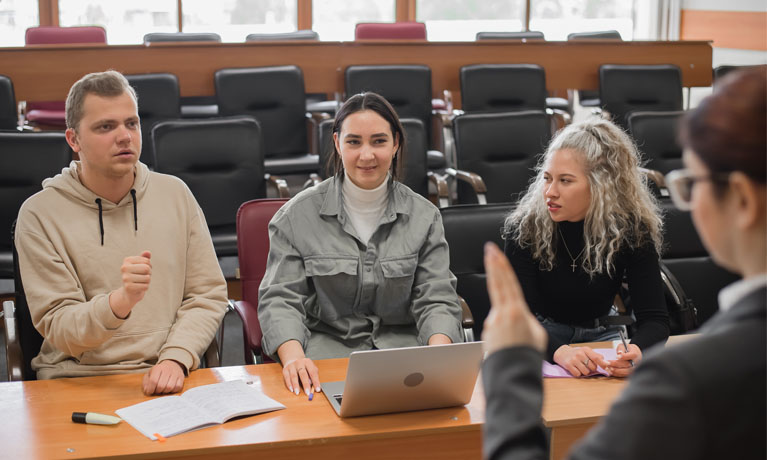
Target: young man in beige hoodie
<point x="117" y="261"/>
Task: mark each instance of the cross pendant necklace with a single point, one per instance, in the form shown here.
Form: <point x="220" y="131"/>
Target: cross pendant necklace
<point x="573" y="265"/>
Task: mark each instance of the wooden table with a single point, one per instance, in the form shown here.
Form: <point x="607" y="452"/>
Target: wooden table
<point x="571" y="407"/>
<point x="46" y="72"/>
<point x="37" y="423"/>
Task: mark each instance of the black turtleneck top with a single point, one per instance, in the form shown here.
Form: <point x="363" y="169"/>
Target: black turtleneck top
<point x="571" y="297"/>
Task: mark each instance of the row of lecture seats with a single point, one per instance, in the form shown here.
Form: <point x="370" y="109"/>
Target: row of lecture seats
<point x="276" y="97"/>
<point x="223" y="160"/>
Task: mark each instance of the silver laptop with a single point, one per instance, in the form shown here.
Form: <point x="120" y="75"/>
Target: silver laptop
<point x="406" y="379"/>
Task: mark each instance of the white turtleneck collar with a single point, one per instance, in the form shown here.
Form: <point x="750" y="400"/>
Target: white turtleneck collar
<point x="364" y="207"/>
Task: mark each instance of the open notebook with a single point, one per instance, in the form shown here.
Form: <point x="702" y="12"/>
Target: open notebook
<point x="197" y="408"/>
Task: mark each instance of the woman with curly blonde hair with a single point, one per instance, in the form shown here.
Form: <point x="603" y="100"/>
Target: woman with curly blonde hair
<point x="586" y="220"/>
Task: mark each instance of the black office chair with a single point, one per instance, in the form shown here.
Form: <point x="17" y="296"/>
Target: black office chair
<point x="655" y="135"/>
<point x="502" y="88"/>
<point x="467" y="228"/>
<point x="502" y="148"/>
<point x="521" y="35"/>
<point x="275" y="97"/>
<point x="510" y="88"/>
<point x="627" y="88"/>
<point x="222" y="162"/>
<point x="25" y="160"/>
<point x="158" y="37"/>
<point x="590" y="98"/>
<point x="415" y="173"/>
<point x="158" y="100"/>
<point x="686" y="257"/>
<point x="8" y="115"/>
<point x="408" y="90"/>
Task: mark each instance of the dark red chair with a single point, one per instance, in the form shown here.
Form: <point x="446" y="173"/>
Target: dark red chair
<point x="50" y="114"/>
<point x="390" y="30"/>
<point x="253" y="247"/>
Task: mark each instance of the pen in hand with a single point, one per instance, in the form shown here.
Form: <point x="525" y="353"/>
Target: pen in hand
<point x="625" y="346"/>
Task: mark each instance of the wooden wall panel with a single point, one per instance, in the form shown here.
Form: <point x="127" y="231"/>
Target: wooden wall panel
<point x="47" y="72"/>
<point x="745" y="30"/>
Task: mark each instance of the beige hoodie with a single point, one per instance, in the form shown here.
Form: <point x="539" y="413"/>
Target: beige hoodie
<point x="70" y="253"/>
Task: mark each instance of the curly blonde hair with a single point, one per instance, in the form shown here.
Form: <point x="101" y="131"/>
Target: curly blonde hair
<point x="622" y="212"/>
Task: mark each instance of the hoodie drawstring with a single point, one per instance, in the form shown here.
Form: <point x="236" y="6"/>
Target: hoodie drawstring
<point x="101" y="220"/>
<point x="101" y="214"/>
<point x="135" y="209"/>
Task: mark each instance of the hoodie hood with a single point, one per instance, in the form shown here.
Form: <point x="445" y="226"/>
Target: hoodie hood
<point x="68" y="182"/>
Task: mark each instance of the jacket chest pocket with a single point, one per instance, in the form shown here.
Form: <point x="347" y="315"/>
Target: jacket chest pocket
<point x="398" y="278"/>
<point x="335" y="282"/>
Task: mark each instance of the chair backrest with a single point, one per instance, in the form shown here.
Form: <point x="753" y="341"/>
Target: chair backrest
<point x="415" y="168"/>
<point x="390" y="30"/>
<point x="30" y="339"/>
<point x="158" y="99"/>
<point x="156" y="37"/>
<point x="503" y="148"/>
<point x="8" y="117"/>
<point x="687" y="258"/>
<point x="627" y="88"/>
<point x="297" y="35"/>
<point x="597" y="35"/>
<point x="272" y="95"/>
<point x="521" y="35"/>
<point x="51" y="35"/>
<point x="655" y="136"/>
<point x="503" y="87"/>
<point x="253" y="247"/>
<point x="222" y="162"/>
<point x="406" y="87"/>
<point x="25" y="160"/>
<point x="467" y="228"/>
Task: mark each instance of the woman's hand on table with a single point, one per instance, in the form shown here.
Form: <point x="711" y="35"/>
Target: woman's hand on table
<point x="627" y="360"/>
<point x="579" y="361"/>
<point x="298" y="371"/>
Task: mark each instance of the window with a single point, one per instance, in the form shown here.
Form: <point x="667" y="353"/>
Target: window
<point x="557" y="18"/>
<point x="334" y="20"/>
<point x="460" y="20"/>
<point x="125" y="22"/>
<point x="15" y="17"/>
<point x="235" y="19"/>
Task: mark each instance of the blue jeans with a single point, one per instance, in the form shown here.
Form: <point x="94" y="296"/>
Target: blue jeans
<point x="575" y="334"/>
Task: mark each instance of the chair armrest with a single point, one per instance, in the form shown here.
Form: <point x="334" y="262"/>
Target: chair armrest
<point x="473" y="179"/>
<point x="279" y="183"/>
<point x="443" y="195"/>
<point x="467" y="319"/>
<point x="13" y="354"/>
<point x="560" y="119"/>
<point x="251" y="331"/>
<point x="657" y="178"/>
<point x="314" y="179"/>
<point x="211" y="356"/>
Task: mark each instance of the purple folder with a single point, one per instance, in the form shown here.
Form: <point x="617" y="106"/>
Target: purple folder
<point x="557" y="371"/>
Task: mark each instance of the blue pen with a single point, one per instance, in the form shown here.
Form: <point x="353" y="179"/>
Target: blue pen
<point x="625" y="347"/>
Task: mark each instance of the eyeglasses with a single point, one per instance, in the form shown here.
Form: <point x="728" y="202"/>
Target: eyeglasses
<point x="680" y="181"/>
